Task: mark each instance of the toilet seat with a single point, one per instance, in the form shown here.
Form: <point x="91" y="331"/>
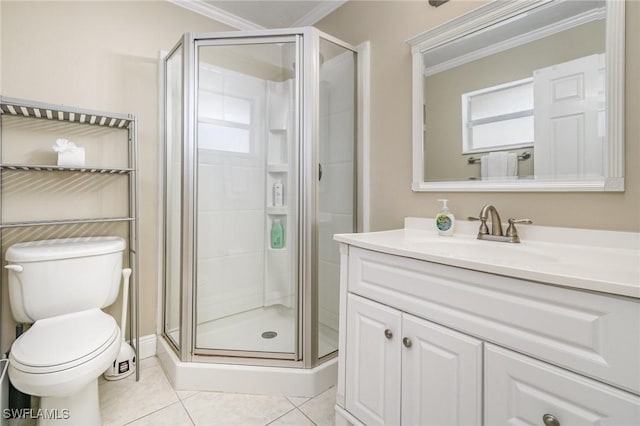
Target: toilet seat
<point x="64" y="342"/>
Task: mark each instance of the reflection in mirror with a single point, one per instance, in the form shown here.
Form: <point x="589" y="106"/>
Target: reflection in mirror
<point x="516" y="103"/>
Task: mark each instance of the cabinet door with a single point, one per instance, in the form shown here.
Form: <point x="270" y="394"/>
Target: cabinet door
<point x="441" y="375"/>
<point x="373" y="362"/>
<point x="520" y="390"/>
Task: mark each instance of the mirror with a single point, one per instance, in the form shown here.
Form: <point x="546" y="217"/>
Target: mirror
<point x="521" y="96"/>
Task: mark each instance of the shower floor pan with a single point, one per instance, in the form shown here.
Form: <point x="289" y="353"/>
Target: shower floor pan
<point x="253" y="331"/>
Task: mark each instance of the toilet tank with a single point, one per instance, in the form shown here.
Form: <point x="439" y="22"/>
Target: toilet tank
<point x="54" y="277"/>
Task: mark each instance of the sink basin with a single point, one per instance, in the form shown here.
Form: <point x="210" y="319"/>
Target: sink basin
<point x="485" y="251"/>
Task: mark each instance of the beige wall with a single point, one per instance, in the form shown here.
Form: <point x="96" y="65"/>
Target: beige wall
<point x="387" y="24"/>
<point x="103" y="56"/>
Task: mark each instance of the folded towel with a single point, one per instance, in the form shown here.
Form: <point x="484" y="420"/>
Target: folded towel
<point x="498" y="165"/>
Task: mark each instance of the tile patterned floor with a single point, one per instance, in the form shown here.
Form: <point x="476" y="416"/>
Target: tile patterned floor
<point x="152" y="401"/>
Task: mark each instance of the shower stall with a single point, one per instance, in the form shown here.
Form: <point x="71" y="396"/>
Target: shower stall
<point x="259" y="173"/>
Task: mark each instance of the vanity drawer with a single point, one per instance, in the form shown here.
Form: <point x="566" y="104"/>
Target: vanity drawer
<point x="590" y="333"/>
<point x="521" y="390"/>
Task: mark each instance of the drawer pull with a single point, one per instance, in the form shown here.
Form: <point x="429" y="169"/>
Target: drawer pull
<point x="550" y="420"/>
<point x="406" y="342"/>
<point x="388" y="334"/>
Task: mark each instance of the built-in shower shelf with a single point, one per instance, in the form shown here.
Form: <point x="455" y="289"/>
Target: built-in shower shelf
<point x="278" y="168"/>
<point x="64" y="222"/>
<point x="30" y="109"/>
<point x="45" y="168"/>
<point x="277" y="210"/>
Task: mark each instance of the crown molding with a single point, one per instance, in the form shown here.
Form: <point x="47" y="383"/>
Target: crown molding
<point x="222" y="16"/>
<point x="318" y="12"/>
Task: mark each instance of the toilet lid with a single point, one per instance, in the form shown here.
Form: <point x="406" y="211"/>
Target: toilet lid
<point x="64" y="341"/>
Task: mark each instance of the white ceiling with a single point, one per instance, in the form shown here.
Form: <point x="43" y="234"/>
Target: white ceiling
<point x="259" y="14"/>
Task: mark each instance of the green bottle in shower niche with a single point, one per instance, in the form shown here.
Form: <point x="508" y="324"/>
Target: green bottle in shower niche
<point x="277" y="234"/>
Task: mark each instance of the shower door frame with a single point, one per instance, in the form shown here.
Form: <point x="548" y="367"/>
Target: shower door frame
<point x="307" y="129"/>
<point x="202" y="40"/>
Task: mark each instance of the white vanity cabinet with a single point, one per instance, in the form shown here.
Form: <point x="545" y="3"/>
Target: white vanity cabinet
<point x="395" y="358"/>
<point x="424" y="343"/>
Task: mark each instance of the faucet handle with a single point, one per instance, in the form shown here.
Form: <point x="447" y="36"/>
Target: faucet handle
<point x="525" y="221"/>
<point x="511" y="230"/>
<point x="484" y="229"/>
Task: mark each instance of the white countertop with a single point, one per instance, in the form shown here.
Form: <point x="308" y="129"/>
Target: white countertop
<point x="603" y="261"/>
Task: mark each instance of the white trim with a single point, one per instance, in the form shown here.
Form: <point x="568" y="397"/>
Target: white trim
<point x="220" y="15"/>
<point x="489" y="14"/>
<point x="206" y="9"/>
<point x="317" y="13"/>
<point x="615" y="92"/>
<point x="497" y="11"/>
<point x="512" y="42"/>
<point x="517" y="186"/>
<point x="344" y="418"/>
<point x="364" y="130"/>
<point x="257" y="379"/>
<point x="148" y="345"/>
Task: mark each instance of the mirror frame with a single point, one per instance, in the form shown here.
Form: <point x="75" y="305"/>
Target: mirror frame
<point x="495" y="12"/>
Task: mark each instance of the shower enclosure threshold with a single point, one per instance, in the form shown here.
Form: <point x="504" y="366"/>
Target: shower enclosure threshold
<point x="265" y="380"/>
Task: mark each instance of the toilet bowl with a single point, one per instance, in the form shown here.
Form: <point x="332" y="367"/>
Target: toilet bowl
<point x="60" y="359"/>
<point x="59" y="287"/>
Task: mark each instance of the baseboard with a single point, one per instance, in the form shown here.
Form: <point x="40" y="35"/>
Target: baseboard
<point x="147" y="347"/>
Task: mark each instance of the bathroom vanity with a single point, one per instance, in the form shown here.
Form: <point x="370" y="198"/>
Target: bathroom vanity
<point x="452" y="330"/>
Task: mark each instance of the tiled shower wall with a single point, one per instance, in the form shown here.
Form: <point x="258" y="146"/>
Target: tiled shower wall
<point x="231" y="208"/>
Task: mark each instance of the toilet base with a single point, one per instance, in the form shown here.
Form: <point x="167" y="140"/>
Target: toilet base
<point x="81" y="408"/>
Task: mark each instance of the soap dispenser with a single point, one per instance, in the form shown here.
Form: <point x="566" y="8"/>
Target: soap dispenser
<point x="445" y="220"/>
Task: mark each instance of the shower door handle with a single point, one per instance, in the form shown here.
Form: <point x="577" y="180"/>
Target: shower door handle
<point x="319" y="171"/>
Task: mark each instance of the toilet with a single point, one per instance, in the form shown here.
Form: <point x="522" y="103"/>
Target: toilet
<point x="59" y="286"/>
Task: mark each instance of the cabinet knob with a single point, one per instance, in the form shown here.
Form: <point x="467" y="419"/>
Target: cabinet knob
<point x="388" y="334"/>
<point x="550" y="420"/>
<point x="406" y="342"/>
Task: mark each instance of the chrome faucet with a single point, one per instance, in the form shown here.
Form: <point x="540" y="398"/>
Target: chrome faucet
<point x="511" y="235"/>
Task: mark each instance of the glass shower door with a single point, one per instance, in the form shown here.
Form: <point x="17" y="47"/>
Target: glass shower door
<point x="173" y="191"/>
<point x="336" y="187"/>
<point x="246" y="281"/>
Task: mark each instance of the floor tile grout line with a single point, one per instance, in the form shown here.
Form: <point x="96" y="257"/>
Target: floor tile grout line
<point x="161" y="408"/>
<point x="281" y="416"/>
<point x="148" y="414"/>
<point x="193" y="422"/>
<point x="310" y="419"/>
<point x="187" y="397"/>
<point x="289" y="412"/>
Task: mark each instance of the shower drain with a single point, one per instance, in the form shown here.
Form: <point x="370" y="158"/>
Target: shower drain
<point x="269" y="334"/>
